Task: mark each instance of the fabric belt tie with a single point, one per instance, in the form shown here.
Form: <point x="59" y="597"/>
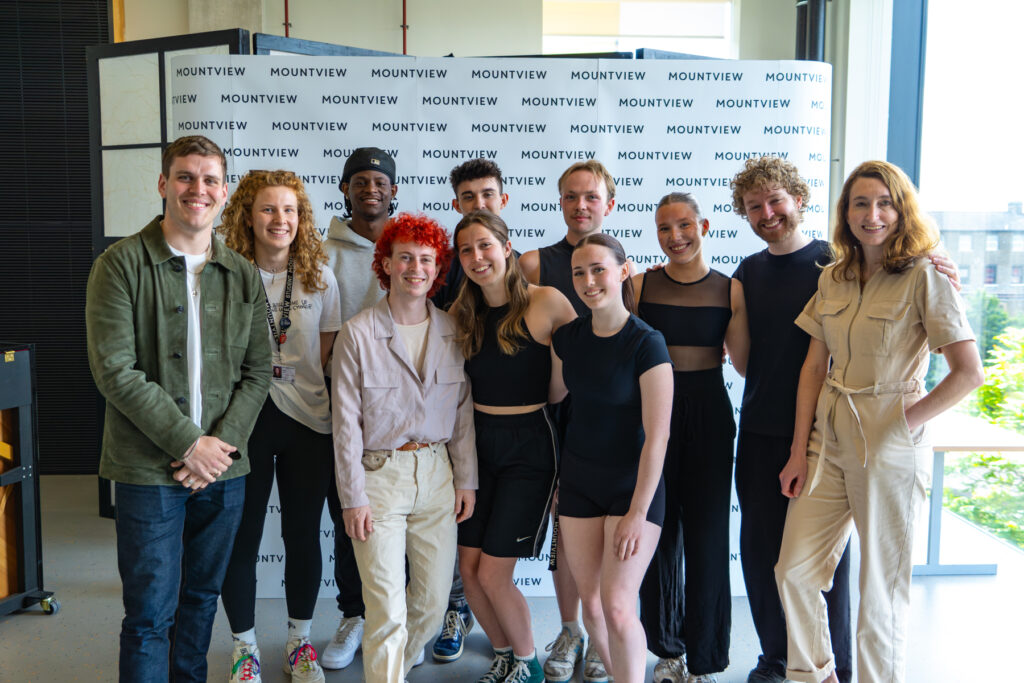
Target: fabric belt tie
<point x="911" y="387"/>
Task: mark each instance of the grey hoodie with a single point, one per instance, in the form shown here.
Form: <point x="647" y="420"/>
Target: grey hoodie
<point x="350" y="256"/>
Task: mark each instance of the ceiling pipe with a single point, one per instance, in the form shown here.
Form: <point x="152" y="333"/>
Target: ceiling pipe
<point x="405" y="30"/>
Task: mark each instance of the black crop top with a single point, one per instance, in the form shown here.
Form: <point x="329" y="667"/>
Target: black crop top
<point x="500" y="380"/>
<point x="693" y="316"/>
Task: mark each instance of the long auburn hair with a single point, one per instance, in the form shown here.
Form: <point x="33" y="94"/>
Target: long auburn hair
<point x="607" y="241"/>
<point x="915" y="235"/>
<point x="306" y="248"/>
<point x="470" y="308"/>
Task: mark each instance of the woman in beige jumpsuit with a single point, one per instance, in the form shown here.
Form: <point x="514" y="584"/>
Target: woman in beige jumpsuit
<point x="878" y="310"/>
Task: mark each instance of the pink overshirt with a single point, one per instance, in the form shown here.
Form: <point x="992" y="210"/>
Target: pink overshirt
<point x="379" y="401"/>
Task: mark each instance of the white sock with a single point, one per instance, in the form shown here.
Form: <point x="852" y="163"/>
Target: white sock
<point x="247" y="637"/>
<point x="527" y="658"/>
<point x="502" y="650"/>
<point x="299" y="628"/>
<point x="574" y="627"/>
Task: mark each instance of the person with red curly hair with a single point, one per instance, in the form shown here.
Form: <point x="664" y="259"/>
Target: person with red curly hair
<point x="404" y="444"/>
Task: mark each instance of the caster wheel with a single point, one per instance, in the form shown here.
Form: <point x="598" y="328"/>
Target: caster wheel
<point x="50" y="605"/>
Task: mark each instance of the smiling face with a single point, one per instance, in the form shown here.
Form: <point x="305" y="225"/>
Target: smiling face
<point x="482" y="255"/>
<point x="275" y="218"/>
<point x="597" y="276"/>
<point x="773" y="213"/>
<point x="680" y="232"/>
<point x="872" y="217"/>
<point x="585" y="203"/>
<point x="370" y="193"/>
<point x="479" y="193"/>
<point x="412" y="269"/>
<point x="195" y="192"/>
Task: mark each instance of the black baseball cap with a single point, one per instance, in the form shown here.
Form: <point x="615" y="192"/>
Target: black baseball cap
<point x="369" y="159"/>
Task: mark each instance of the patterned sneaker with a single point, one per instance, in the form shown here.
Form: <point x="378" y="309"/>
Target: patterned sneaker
<point x="448" y="646"/>
<point x="300" y="661"/>
<point x="703" y="678"/>
<point x="340" y="652"/>
<point x="500" y="666"/>
<point x="593" y="667"/>
<point x="245" y="663"/>
<point x="566" y="651"/>
<point x="671" y="671"/>
<point x="525" y="671"/>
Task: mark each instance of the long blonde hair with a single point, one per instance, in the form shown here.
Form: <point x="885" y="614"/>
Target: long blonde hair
<point x="307" y="247"/>
<point x="915" y="235"/>
<point x="470" y="308"/>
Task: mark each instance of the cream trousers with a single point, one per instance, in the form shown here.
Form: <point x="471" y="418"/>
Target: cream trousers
<point x="880" y="497"/>
<point x="412" y="502"/>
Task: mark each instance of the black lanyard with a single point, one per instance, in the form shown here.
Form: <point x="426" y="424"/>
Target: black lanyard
<point x="286" y="306"/>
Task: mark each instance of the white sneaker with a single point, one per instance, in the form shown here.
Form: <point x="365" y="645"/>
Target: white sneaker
<point x="593" y="667"/>
<point x="671" y="671"/>
<point x="300" y="661"/>
<point x="566" y="650"/>
<point x="703" y="678"/>
<point x="347" y="640"/>
<point x="245" y="663"/>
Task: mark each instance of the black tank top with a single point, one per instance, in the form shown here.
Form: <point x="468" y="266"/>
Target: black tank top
<point x="556" y="271"/>
<point x="500" y="380"/>
<point x="693" y="316"/>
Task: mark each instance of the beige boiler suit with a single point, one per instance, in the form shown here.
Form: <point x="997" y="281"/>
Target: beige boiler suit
<point x="864" y="465"/>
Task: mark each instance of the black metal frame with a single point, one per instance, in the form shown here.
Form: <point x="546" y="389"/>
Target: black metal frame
<point x="906" y="85"/>
<point x="810" y="30"/>
<point x="18" y="392"/>
<point x="264" y="43"/>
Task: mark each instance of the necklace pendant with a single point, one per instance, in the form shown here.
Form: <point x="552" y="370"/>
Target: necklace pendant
<point x="282" y="339"/>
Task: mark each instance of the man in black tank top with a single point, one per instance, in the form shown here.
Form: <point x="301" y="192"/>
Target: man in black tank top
<point x="586" y="194"/>
<point x="777" y="283"/>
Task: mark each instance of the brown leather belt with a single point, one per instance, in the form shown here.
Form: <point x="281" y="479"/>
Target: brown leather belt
<point x="412" y="446"/>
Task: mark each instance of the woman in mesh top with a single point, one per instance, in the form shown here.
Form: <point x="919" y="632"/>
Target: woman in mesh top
<point x="685" y="606"/>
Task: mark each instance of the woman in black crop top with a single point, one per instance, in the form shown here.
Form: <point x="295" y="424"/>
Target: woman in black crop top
<point x="504" y="327"/>
<point x="685" y="606"/>
<point x="611" y="498"/>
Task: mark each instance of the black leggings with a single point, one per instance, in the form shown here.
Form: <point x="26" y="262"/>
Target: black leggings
<point x="305" y="467"/>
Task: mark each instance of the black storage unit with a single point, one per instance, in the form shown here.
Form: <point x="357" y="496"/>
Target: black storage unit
<point x="21" y="553"/>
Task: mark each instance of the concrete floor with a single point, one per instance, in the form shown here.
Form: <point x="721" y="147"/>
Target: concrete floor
<point x="963" y="629"/>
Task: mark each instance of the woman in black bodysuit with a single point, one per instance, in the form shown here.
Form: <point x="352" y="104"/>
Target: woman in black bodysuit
<point x="504" y="327"/>
<point x="685" y="606"/>
<point x="611" y="498"/>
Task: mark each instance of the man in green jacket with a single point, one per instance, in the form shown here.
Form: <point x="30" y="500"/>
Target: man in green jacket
<point x="177" y="344"/>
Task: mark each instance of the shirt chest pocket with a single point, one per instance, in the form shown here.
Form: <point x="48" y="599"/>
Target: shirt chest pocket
<point x="450" y="379"/>
<point x="832" y="324"/>
<point x="380" y="388"/>
<point x="882" y="328"/>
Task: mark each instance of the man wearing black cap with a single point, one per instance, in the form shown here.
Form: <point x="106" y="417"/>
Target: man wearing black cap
<point x="368" y="184"/>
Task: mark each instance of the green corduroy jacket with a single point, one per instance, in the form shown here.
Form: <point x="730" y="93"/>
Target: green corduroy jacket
<point x="136" y="316"/>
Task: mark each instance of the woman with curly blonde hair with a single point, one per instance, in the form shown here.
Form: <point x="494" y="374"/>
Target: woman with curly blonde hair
<point x="269" y="220"/>
<point x="859" y="437"/>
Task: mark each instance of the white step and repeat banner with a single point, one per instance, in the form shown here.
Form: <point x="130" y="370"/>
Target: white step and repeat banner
<point x="659" y="126"/>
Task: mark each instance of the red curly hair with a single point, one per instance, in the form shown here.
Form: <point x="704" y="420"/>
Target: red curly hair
<point x="418" y="229"/>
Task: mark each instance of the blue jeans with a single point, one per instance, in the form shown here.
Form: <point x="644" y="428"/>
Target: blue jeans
<point x="172" y="551"/>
